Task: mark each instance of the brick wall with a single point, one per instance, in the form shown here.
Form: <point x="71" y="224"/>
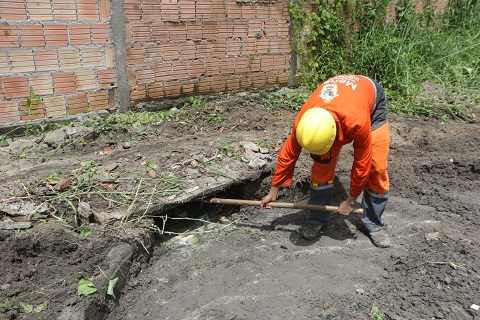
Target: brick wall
<point x="183" y="47"/>
<point x="60" y="50"/>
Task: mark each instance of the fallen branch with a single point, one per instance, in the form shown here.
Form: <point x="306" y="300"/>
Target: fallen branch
<point x="450" y="263"/>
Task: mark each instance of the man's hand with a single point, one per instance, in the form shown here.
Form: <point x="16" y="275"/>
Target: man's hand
<point x="346" y="207"/>
<point x="270" y="197"/>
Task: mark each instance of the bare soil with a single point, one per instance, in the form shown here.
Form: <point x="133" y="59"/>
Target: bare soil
<point x="85" y="191"/>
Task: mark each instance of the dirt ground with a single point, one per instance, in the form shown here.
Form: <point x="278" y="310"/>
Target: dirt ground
<point x="70" y="196"/>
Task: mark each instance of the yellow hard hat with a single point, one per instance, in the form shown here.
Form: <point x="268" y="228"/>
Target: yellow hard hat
<point x="316" y="131"/>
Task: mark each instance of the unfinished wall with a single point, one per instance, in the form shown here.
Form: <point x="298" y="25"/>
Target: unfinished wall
<point x="59" y="50"/>
<point x="196" y="47"/>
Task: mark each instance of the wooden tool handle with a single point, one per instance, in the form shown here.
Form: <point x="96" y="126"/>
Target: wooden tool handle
<point x="287" y="205"/>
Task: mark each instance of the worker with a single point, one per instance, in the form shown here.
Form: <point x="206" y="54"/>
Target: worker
<point x="343" y="109"/>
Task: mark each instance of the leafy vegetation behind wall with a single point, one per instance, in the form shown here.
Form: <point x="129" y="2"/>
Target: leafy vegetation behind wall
<point x="428" y="61"/>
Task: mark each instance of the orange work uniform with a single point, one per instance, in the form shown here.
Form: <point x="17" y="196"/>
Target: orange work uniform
<point x="356" y="104"/>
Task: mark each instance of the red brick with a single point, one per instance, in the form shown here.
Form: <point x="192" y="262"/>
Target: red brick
<point x="277" y="10"/>
<point x="144" y="74"/>
<point x="91" y="57"/>
<point x="204" y="85"/>
<point x="254" y="64"/>
<point x="109" y="56"/>
<point x="210" y="30"/>
<point x="180" y="70"/>
<point x="246" y="80"/>
<point x="196" y="68"/>
<point x="100" y="33"/>
<point x="163" y="71"/>
<point x="153" y="54"/>
<point x="233" y="82"/>
<point x="140" y="32"/>
<point x="188" y="86"/>
<point x="272" y="77"/>
<point x="194" y="30"/>
<point x="241" y="64"/>
<point x="234" y="10"/>
<point x="203" y="49"/>
<point x="255" y="28"/>
<point x="138" y="93"/>
<point x="98" y="100"/>
<point x="46" y="59"/>
<point x="173" y="88"/>
<point x="212" y="66"/>
<point x="64" y="10"/>
<point x="187" y="50"/>
<point x="55" y="106"/>
<point x="87" y="10"/>
<point x="21" y="61"/>
<point x="56" y="35"/>
<point x="271" y="28"/>
<point x="69" y="58"/>
<point x="132" y="9"/>
<point x="135" y="54"/>
<point x="170" y="10"/>
<point x="85" y="80"/>
<point x="219" y="83"/>
<point x="249" y="11"/>
<point x="79" y="34"/>
<point x="41" y="84"/>
<point x="263" y="12"/>
<point x="4" y="66"/>
<point x="156" y="91"/>
<point x="13" y="10"/>
<point x="104" y="10"/>
<point x="240" y="29"/>
<point x="170" y="51"/>
<point x="131" y="76"/>
<point x="258" y="80"/>
<point x="2" y="96"/>
<point x="33" y="111"/>
<point x="219" y="48"/>
<point x="225" y="29"/>
<point x="8" y="36"/>
<point x="219" y="9"/>
<point x="279" y="61"/>
<point x="284" y="28"/>
<point x="249" y="46"/>
<point x="107" y="78"/>
<point x="9" y="112"/>
<point x="151" y="9"/>
<point x="284" y="77"/>
<point x="263" y="45"/>
<point x="63" y="82"/>
<point x="160" y="31"/>
<point x="203" y="9"/>
<point x="39" y="10"/>
<point x="233" y="47"/>
<point x="266" y="63"/>
<point x="276" y="46"/>
<point x="77" y="103"/>
<point x="187" y="9"/>
<point x="112" y="98"/>
<point x="31" y="35"/>
<point x="16" y="87"/>
<point x="227" y="65"/>
<point x="178" y="31"/>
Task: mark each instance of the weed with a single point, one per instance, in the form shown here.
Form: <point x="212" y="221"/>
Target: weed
<point x="375" y="313"/>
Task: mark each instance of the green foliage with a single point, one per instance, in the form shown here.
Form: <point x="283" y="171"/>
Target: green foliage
<point x="85" y="287"/>
<point x="3" y="141"/>
<point x="130" y="119"/>
<point x="405" y="53"/>
<point x="375" y="314"/>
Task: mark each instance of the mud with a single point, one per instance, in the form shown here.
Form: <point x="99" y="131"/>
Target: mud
<point x="238" y="262"/>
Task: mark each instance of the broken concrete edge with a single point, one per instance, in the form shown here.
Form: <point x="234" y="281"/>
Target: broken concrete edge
<point x="121" y="257"/>
<point x="18" y="128"/>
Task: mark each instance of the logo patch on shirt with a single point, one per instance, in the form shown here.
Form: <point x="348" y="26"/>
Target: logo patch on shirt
<point x="329" y="92"/>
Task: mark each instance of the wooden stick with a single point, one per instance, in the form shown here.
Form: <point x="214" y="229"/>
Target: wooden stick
<point x="287" y="205"/>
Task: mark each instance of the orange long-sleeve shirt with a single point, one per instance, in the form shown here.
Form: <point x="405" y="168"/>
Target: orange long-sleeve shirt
<point x="351" y="101"/>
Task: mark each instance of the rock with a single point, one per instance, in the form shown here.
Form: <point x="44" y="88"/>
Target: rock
<point x="12" y="225"/>
<point x="107" y="217"/>
<point x="84" y="210"/>
<point x="251" y="146"/>
<point x="257" y="164"/>
<point x="431" y="236"/>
